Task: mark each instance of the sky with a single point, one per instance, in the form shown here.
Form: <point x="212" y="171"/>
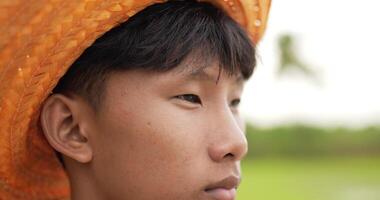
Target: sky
<point x="337" y="38"/>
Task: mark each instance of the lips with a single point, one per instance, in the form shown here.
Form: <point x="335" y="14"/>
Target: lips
<point x="224" y="189"/>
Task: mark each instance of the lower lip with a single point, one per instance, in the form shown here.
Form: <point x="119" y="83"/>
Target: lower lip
<point x="222" y="193"/>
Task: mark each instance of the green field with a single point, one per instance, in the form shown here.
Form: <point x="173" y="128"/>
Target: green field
<point x="311" y="179"/>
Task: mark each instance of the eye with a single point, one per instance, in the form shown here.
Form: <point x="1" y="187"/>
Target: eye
<point x="235" y="103"/>
<point x="192" y="98"/>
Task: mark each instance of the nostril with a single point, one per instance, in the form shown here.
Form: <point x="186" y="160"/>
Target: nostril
<point x="229" y="155"/>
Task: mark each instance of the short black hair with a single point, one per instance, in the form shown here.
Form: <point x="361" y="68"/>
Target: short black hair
<point x="159" y="38"/>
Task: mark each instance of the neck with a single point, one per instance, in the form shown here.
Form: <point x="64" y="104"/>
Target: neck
<point x="82" y="186"/>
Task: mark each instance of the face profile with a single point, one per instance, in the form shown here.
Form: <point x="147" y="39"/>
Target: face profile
<point x="128" y="100"/>
<point x="179" y="130"/>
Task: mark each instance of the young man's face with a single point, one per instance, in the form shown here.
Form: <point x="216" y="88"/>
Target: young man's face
<point x="172" y="135"/>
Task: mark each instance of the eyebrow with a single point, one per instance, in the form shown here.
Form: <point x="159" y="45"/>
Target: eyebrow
<point x="201" y="74"/>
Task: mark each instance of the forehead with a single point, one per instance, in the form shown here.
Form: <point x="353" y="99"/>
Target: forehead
<point x="139" y="86"/>
<point x="205" y="70"/>
<point x="142" y="81"/>
<point x="192" y="71"/>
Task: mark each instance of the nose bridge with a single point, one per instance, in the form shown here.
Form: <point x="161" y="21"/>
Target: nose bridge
<point x="229" y="139"/>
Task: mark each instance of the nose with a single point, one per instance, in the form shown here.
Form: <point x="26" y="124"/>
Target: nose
<point x="228" y="141"/>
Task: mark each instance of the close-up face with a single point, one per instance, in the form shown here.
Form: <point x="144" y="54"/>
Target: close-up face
<point x="122" y="100"/>
<point x="168" y="135"/>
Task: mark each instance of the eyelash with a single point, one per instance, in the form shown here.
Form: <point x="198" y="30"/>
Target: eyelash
<point x="192" y="98"/>
<point x="235" y="103"/>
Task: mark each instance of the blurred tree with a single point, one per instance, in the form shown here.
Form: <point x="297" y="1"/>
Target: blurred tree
<point x="289" y="59"/>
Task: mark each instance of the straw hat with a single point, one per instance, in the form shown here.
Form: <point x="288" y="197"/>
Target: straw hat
<point x="39" y="41"/>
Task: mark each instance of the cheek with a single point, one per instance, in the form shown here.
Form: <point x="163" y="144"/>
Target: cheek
<point x="148" y="144"/>
<point x="159" y="133"/>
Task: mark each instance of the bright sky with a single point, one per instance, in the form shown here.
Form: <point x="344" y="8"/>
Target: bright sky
<point x="338" y="38"/>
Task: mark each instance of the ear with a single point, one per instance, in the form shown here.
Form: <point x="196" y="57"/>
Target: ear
<point x="64" y="125"/>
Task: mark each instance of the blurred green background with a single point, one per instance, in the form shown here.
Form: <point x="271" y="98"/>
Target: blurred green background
<point x="298" y="162"/>
<point x="313" y="104"/>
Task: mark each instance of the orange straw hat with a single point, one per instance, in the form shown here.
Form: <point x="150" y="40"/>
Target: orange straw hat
<point x="39" y="41"/>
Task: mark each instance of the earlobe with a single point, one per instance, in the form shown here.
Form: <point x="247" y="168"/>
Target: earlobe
<point x="62" y="123"/>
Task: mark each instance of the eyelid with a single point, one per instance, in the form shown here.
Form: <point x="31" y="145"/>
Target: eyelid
<point x="235" y="102"/>
<point x="191" y="98"/>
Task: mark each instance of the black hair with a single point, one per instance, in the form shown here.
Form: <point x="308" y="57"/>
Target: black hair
<point x="159" y="38"/>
